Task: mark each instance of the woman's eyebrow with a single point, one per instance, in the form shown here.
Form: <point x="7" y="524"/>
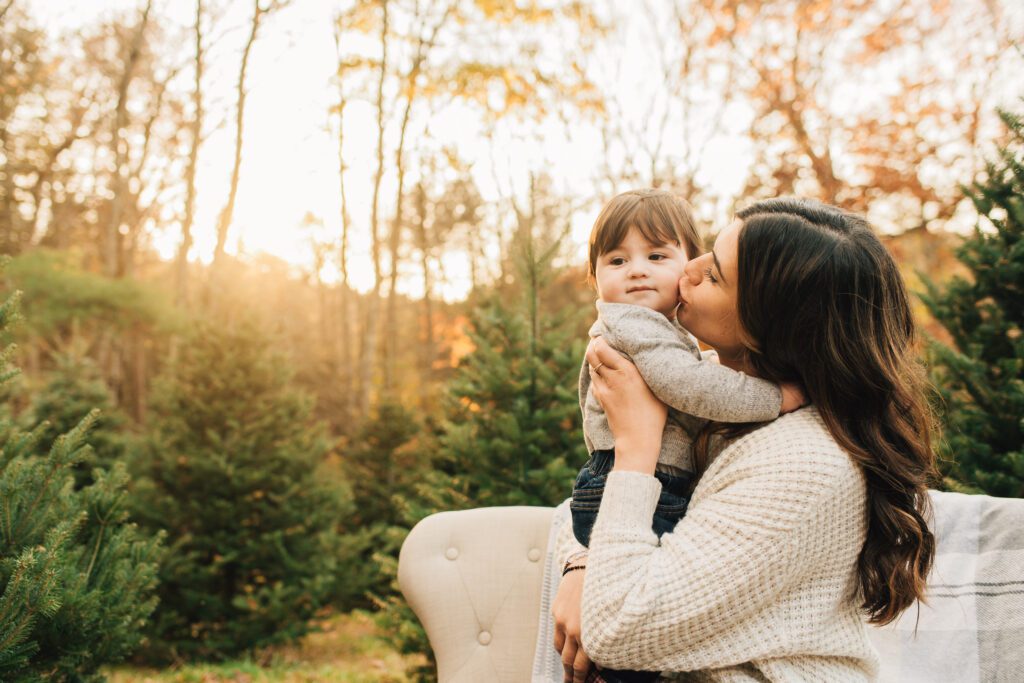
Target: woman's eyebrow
<point x="718" y="266"/>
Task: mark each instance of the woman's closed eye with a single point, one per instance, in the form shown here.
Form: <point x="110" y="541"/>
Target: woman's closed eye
<point x="710" y="275"/>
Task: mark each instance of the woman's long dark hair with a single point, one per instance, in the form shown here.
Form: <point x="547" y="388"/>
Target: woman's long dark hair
<point x="822" y="303"/>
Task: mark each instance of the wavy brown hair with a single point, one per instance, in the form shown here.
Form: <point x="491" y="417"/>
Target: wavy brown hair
<point x="821" y="302"/>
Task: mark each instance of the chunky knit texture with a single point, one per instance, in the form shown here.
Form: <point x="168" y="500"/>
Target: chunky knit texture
<point x="757" y="582"/>
<point x="671" y="364"/>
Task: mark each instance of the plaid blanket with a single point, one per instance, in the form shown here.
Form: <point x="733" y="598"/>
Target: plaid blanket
<point x="971" y="627"/>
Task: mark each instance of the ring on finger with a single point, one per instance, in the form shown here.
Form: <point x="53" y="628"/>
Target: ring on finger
<point x="597" y="367"/>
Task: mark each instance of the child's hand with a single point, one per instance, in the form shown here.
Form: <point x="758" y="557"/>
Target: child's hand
<point x="792" y="397"/>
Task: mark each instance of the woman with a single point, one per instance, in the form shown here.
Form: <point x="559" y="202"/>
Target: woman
<point x="797" y="526"/>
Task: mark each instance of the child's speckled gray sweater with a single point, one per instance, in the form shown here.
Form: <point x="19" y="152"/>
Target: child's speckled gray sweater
<point x="669" y="360"/>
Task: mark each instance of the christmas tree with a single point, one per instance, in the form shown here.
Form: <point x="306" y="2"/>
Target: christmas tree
<point x="383" y="463"/>
<point x="981" y="379"/>
<point x="76" y="578"/>
<point x="512" y="429"/>
<point x="235" y="475"/>
<point x="75" y="388"/>
<point x="511" y="432"/>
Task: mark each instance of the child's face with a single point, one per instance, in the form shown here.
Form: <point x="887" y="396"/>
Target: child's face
<point x="639" y="272"/>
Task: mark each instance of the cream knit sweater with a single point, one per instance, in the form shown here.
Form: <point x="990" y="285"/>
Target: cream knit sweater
<point x="757" y="582"/>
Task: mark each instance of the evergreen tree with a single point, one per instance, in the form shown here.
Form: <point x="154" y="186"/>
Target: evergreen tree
<point x="76" y="578"/>
<point x="981" y="379"/>
<point x="383" y="463"/>
<point x="74" y="388"/>
<point x="512" y="429"/>
<point x="235" y="474"/>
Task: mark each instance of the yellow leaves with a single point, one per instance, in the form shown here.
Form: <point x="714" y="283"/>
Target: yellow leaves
<point x="509" y="11"/>
<point x="357" y="62"/>
<point x="363" y="17"/>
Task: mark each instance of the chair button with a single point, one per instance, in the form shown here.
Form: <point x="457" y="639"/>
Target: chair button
<point x="534" y="554"/>
<point x="451" y="553"/>
<point x="484" y="638"/>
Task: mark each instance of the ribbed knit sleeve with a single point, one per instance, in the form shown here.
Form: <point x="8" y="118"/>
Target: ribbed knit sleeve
<point x="671" y="365"/>
<point x="763" y="566"/>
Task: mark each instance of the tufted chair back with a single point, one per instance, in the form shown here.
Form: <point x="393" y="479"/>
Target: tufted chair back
<point x="474" y="580"/>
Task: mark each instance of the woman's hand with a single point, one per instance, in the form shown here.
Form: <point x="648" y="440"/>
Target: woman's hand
<point x="566" y="611"/>
<point x="635" y="415"/>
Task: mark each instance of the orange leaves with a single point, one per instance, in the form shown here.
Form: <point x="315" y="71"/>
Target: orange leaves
<point x="509" y="11"/>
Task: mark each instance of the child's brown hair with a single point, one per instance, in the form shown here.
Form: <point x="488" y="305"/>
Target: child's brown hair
<point x="660" y="216"/>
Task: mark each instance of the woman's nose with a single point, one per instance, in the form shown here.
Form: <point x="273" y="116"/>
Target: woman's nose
<point x="691" y="273"/>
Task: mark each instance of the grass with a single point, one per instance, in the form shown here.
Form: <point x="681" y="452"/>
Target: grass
<point x="349" y="649"/>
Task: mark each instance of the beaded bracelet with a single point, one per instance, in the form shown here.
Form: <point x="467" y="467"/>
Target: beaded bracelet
<point x="573" y="568"/>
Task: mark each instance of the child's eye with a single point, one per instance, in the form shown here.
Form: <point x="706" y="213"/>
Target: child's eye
<point x="616" y="261"/>
<point x="657" y="257"/>
<point x="709" y="275"/>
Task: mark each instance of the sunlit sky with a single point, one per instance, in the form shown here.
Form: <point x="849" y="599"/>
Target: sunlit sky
<point x="290" y="156"/>
<point x="290" y="163"/>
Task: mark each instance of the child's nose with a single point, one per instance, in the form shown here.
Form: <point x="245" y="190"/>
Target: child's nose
<point x="638" y="267"/>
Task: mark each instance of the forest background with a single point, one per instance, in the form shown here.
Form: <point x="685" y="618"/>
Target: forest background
<point x="319" y="263"/>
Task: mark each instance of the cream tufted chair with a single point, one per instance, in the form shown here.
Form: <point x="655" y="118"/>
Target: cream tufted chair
<point x="474" y="579"/>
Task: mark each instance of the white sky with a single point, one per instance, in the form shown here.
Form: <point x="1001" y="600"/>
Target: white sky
<point x="290" y="157"/>
<point x="290" y="161"/>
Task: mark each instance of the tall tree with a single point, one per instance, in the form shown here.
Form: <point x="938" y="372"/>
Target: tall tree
<point x="425" y="30"/>
<point x="411" y="63"/>
<point x="112" y="254"/>
<point x="368" y="347"/>
<point x="979" y="379"/>
<point x="227" y="213"/>
<point x="44" y="112"/>
<point x="348" y="329"/>
<point x="438" y="213"/>
<point x="193" y="161"/>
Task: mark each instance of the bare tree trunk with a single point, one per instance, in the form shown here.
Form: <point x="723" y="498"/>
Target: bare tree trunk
<point x="427" y="352"/>
<point x="190" y="174"/>
<point x="423" y="45"/>
<point x="368" y="350"/>
<point x="347" y="326"/>
<point x="112" y="238"/>
<point x="227" y="213"/>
